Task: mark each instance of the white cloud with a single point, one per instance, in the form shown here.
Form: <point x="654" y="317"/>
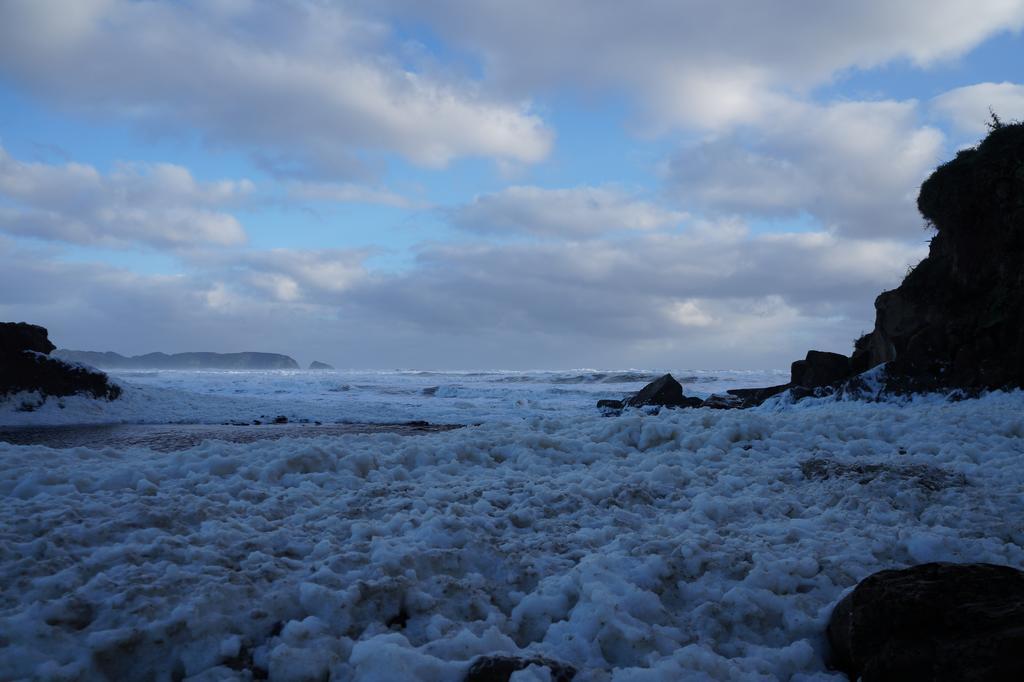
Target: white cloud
<point x="159" y="205"/>
<point x="705" y="64"/>
<point x="567" y="213"/>
<point x="968" y="107"/>
<point x="706" y="297"/>
<point x="318" y="91"/>
<point x="702" y="297"/>
<point x="855" y="166"/>
<point x="305" y="85"/>
<point x="689" y="313"/>
<point x="291" y="275"/>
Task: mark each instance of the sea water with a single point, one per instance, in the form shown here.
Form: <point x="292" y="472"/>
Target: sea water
<point x="174" y="396"/>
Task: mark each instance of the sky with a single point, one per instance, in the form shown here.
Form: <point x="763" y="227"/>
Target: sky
<point x="470" y="184"/>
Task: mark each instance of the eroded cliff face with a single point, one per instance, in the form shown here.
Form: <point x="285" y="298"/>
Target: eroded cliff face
<point x="957" y="320"/>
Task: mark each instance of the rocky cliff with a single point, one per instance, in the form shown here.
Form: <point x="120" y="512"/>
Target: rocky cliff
<point x="957" y="320"/>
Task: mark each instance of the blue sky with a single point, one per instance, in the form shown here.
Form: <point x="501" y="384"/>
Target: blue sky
<point x="467" y="184"/>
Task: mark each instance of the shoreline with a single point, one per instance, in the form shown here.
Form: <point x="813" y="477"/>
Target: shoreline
<point x="178" y="437"/>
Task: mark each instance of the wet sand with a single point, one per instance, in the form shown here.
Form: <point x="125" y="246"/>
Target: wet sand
<point x="174" y="437"/>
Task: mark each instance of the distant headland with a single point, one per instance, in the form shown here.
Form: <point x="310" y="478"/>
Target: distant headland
<point x="110" y="360"/>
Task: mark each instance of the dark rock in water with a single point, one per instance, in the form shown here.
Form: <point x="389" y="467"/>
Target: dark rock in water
<point x="955" y="321"/>
<point x="316" y="364"/>
<point x="750" y="397"/>
<point x="722" y="401"/>
<point x="935" y="621"/>
<point x="501" y="668"/>
<point x="664" y="391"/>
<point x="26" y="366"/>
<point x="18" y="336"/>
<point x="819" y="368"/>
<point x="280" y="419"/>
<point x="236" y="361"/>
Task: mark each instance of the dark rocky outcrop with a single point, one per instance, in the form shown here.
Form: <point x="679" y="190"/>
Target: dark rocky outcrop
<point x="955" y="321"/>
<point x="819" y="373"/>
<point x="935" y="621"/>
<point x="819" y="369"/>
<point x="20" y="336"/>
<point x="501" y="668"/>
<point x="316" y="364"/>
<point x="664" y="391"/>
<point x="749" y="397"/>
<point x="25" y="365"/>
<point x="722" y="401"/>
<point x="236" y="361"/>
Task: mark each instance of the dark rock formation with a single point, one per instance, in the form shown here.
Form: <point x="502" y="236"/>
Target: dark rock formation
<point x="500" y="668"/>
<point x="316" y="364"/>
<point x="932" y="622"/>
<point x="818" y="373"/>
<point x="819" y="368"/>
<point x="722" y="401"/>
<point x="664" y="391"/>
<point x="19" y="336"/>
<point x="235" y="361"/>
<point x="955" y="321"/>
<point x="26" y="366"/>
<point x="749" y="397"/>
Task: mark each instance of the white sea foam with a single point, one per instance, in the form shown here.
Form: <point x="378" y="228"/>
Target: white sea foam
<point x="693" y="544"/>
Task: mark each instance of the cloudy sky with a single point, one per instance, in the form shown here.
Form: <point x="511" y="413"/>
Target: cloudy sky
<point x="481" y="183"/>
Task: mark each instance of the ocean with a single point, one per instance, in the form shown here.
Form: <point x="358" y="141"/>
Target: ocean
<point x="210" y="397"/>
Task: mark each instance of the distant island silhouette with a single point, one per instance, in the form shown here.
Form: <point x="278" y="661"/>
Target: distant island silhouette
<point x="199" y="360"/>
